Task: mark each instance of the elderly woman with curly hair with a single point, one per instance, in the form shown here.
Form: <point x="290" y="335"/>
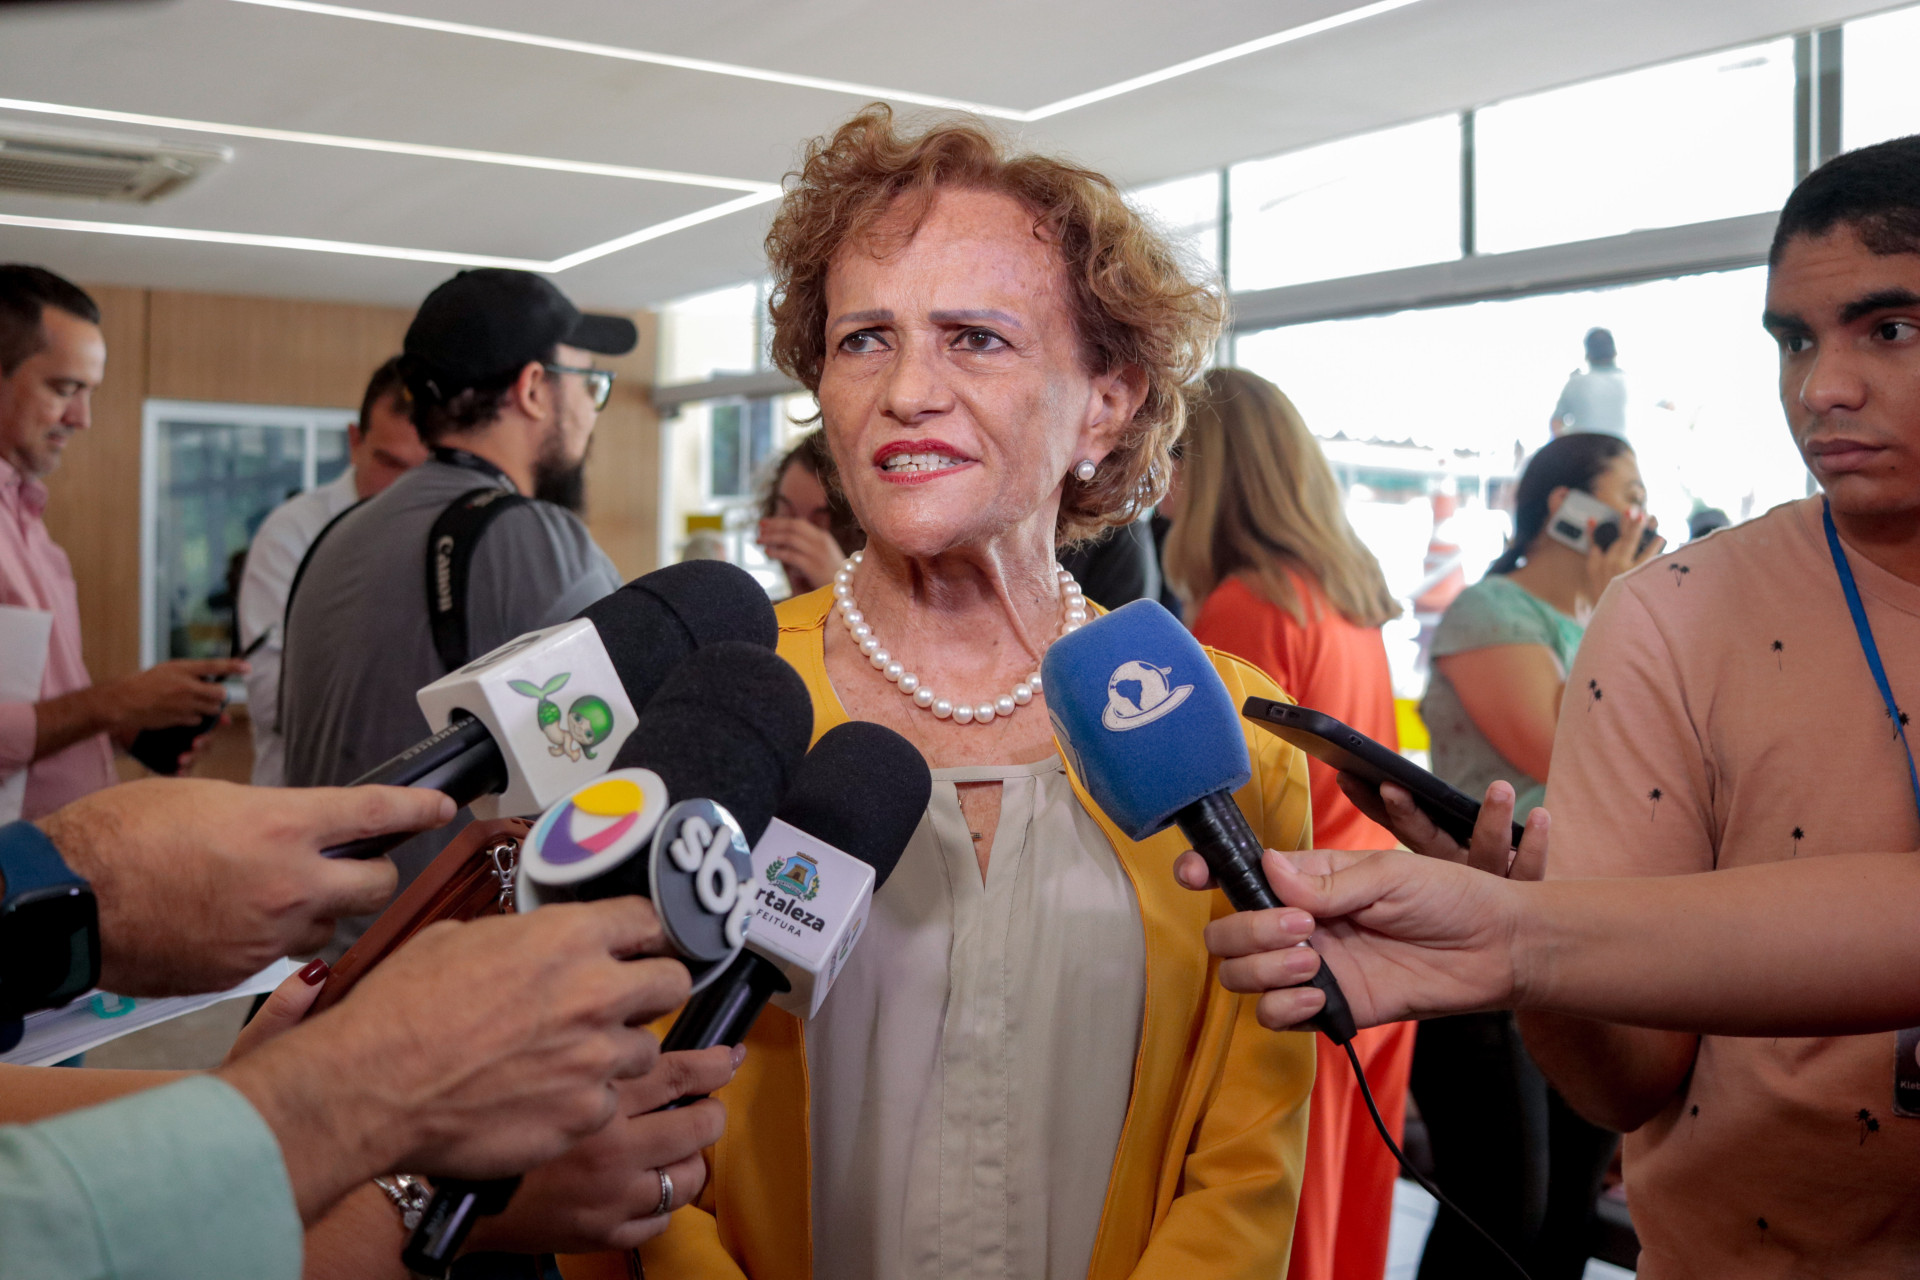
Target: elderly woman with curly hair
<point x="1026" y="1069"/>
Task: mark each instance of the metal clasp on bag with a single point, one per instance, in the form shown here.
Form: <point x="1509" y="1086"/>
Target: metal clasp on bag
<point x="504" y="853"/>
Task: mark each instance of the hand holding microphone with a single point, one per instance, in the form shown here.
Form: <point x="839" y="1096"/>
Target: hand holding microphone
<point x="1156" y="738"/>
<point x="524" y="724"/>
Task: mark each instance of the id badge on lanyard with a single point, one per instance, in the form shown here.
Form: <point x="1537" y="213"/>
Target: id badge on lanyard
<point x="1906" y="1058"/>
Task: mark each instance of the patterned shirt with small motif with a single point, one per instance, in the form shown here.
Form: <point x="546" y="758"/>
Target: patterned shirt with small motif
<point x="1740" y="725"/>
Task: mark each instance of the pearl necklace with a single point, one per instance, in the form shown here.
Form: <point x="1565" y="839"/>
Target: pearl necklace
<point x="910" y="684"/>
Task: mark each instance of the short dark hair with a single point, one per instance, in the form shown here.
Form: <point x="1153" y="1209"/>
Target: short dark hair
<point x="386" y="381"/>
<point x="26" y="292"/>
<point x="1600" y="348"/>
<point x="1574" y="462"/>
<point x="465" y="410"/>
<point x="1875" y="191"/>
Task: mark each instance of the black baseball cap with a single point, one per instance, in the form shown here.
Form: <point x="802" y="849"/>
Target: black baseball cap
<point x="485" y="325"/>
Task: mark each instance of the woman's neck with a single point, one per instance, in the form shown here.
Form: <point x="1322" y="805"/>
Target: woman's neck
<point x="1555" y="574"/>
<point x="1002" y="595"/>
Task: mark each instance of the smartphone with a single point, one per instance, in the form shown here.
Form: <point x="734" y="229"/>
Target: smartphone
<point x="1350" y="751"/>
<point x="1569" y="524"/>
<point x="160" y="749"/>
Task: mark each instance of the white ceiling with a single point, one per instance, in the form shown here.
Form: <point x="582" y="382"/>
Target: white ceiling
<point x="266" y="66"/>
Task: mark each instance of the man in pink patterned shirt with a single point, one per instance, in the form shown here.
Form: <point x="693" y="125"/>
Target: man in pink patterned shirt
<point x="52" y="356"/>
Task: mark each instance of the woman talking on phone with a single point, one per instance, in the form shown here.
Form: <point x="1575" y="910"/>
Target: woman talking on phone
<point x="1505" y="1147"/>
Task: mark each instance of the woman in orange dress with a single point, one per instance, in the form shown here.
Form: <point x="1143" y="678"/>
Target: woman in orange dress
<point x="1261" y="551"/>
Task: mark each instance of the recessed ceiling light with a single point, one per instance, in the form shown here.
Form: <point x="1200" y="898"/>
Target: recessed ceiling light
<point x="394" y="148"/>
<point x="850" y="87"/>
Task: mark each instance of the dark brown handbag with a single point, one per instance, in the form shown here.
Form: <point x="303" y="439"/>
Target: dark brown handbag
<point x="472" y="877"/>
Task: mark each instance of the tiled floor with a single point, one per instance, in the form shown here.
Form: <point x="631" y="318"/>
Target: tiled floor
<point x="1413" y="1211"/>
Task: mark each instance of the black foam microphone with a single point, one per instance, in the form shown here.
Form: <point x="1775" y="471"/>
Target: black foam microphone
<point x="692" y="788"/>
<point x="523" y="724"/>
<point x="839" y="833"/>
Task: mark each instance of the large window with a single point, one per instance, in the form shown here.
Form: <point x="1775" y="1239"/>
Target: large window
<point x="712" y="334"/>
<point x="1427" y="414"/>
<point x="1372" y="203"/>
<point x="1687" y="142"/>
<point x="211" y="474"/>
<point x="1878" y="98"/>
<point x="1188" y="211"/>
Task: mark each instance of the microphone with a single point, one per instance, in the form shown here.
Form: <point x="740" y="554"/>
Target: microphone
<point x="693" y="786"/>
<point x="839" y="834"/>
<point x="518" y="727"/>
<point x="1153" y="734"/>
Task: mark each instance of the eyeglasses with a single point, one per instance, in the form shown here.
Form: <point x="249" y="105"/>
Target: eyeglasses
<point x="599" y="382"/>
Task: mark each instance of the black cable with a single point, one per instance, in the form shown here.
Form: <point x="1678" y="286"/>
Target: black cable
<point x="1415" y="1174"/>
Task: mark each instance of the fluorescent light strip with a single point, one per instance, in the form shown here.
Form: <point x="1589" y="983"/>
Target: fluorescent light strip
<point x="395" y="148"/>
<point x="635" y="55"/>
<point x="1215" y="59"/>
<point x="270" y="242"/>
<point x="659" y="229"/>
<point x="853" y="88"/>
<point x="356" y="249"/>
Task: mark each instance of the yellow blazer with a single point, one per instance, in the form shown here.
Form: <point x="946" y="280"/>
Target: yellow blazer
<point x="1207" y="1172"/>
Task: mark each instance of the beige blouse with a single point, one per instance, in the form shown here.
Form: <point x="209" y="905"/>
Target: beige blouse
<point x="971" y="1070"/>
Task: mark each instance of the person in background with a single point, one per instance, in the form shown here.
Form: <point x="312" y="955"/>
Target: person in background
<point x="1505" y="1146"/>
<point x="52" y="357"/>
<point x="805" y="522"/>
<point x="1118" y="566"/>
<point x="1261" y="549"/>
<point x="496" y="364"/>
<point x="1706" y="521"/>
<point x="381" y="447"/>
<point x="1757" y="686"/>
<point x="1594" y="399"/>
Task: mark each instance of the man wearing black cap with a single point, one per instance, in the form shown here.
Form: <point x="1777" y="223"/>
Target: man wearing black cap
<point x="499" y="367"/>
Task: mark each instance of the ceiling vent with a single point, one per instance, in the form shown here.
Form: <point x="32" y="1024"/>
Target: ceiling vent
<point x="98" y="166"/>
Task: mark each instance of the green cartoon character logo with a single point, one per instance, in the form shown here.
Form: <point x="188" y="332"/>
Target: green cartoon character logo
<point x="587" y="723"/>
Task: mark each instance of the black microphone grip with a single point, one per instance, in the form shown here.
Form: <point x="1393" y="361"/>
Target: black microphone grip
<point x="456" y="1205"/>
<point x="1219" y="833"/>
<point x="723" y="1013"/>
<point x="462" y="760"/>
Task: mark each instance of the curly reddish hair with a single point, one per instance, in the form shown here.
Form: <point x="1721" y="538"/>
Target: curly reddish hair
<point x="1131" y="300"/>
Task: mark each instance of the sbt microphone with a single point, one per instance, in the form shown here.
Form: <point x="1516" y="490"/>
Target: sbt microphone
<point x="840" y="832"/>
<point x="518" y="727"/>
<point x="691" y="790"/>
<point x="1152" y="733"/>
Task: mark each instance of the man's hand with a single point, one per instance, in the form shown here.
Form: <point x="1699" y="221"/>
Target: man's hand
<point x="477" y="1050"/>
<point x="603" y="1193"/>
<point x="202" y="884"/>
<point x="1491" y="847"/>
<point x="184" y="691"/>
<point x="1407" y="935"/>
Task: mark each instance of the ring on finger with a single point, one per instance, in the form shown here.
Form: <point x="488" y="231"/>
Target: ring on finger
<point x="666" y="1193"/>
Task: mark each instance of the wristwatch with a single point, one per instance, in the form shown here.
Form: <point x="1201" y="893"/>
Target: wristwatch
<point x="49" y="925"/>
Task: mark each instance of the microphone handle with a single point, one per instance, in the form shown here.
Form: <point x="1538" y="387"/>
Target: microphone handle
<point x="462" y="760"/>
<point x="725" y="1011"/>
<point x="456" y="1205"/>
<point x="1219" y="833"/>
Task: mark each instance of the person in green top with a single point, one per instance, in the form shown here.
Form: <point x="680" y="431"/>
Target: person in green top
<point x="1505" y="1147"/>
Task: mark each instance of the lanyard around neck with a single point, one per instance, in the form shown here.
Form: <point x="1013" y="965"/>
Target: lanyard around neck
<point x="472" y="462"/>
<point x="1864" y="630"/>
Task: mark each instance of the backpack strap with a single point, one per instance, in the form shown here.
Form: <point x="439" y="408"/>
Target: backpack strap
<point x="450" y="547"/>
<point x="286" y="612"/>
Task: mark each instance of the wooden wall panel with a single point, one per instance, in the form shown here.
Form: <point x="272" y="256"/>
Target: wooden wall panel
<point x="623" y="471"/>
<point x="94" y="507"/>
<point x="267" y="350"/>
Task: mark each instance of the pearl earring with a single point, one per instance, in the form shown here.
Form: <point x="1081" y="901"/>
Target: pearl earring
<point x="1083" y="470"/>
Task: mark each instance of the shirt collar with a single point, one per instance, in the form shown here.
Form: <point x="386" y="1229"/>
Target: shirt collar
<point x="21" y="493"/>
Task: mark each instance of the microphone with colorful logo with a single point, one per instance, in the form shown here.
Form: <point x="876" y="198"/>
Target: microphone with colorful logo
<point x="1153" y="734"/>
<point x="692" y="789"/>
<point x="854" y="804"/>
<point x="519" y="727"/>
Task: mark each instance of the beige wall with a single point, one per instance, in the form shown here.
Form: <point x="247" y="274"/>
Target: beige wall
<point x="193" y="346"/>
